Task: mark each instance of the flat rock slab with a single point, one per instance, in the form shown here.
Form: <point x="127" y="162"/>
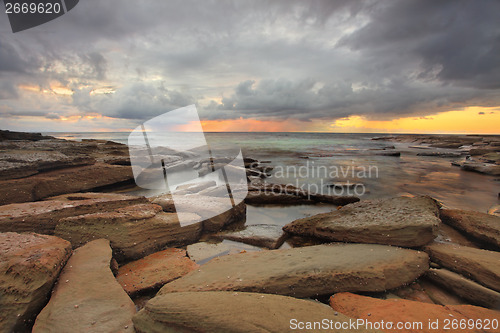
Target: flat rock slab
<point x="401" y="221"/>
<point x="480" y="265"/>
<point x="203" y="252"/>
<point x="29" y="266"/>
<point x="87" y="297"/>
<point x="400" y="310"/>
<point x="214" y="212"/>
<point x="42" y="216"/>
<point x="134" y="232"/>
<point x="153" y="271"/>
<point x="465" y="288"/>
<point x="61" y="181"/>
<point x="483" y="227"/>
<point x="307" y="272"/>
<point x="263" y="235"/>
<point x="232" y="312"/>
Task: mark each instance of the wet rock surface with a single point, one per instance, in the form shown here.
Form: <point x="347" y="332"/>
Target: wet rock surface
<point x="263" y="235"/>
<point x="398" y="221"/>
<point x="308" y="271"/>
<point x="230" y="312"/>
<point x="87" y="297"/>
<point x="29" y="266"/>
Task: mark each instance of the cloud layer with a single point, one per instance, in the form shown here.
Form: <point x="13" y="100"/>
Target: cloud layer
<point x="315" y="60"/>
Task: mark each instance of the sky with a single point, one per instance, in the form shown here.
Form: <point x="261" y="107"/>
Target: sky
<point x="415" y="66"/>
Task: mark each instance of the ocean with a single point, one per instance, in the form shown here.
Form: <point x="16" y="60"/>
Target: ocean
<point x="315" y="161"/>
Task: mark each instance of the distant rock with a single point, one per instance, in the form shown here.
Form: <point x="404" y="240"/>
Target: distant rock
<point x="308" y="271"/>
<point x="401" y="221"/>
<point x="439" y="154"/>
<point x="29" y="266"/>
<point x="411" y="312"/>
<point x="134" y="232"/>
<point x="345" y="185"/>
<point x="480" y="265"/>
<point x="42" y="216"/>
<point x="10" y="135"/>
<point x="196" y="187"/>
<point x="465" y="288"/>
<point x="61" y="181"/>
<point x="153" y="271"/>
<point x="87" y="297"/>
<point x="486" y="168"/>
<point x="231" y="312"/>
<point x="262" y="235"/>
<point x="481" y="226"/>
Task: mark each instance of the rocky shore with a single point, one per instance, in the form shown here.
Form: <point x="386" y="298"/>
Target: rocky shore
<point x="78" y="255"/>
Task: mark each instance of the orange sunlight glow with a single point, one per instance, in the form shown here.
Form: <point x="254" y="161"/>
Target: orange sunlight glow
<point x="250" y="125"/>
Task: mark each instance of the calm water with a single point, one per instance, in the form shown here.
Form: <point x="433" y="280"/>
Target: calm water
<point x="315" y="160"/>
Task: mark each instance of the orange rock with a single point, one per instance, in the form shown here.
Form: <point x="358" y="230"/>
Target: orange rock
<point x="412" y="313"/>
<point x="155" y="270"/>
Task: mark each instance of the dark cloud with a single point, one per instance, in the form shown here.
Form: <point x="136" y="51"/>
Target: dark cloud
<point x="279" y="59"/>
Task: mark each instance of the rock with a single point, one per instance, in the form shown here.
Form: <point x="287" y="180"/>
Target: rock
<point x="215" y="212"/>
<point x="389" y="153"/>
<point x="62" y="181"/>
<point x="87" y="297"/>
<point x="42" y="216"/>
<point x="15" y="163"/>
<point x="153" y="271"/>
<point x="481" y="226"/>
<point x="494" y="210"/>
<point x="405" y="311"/>
<point x="440" y="295"/>
<point x="196" y="187"/>
<point x="10" y="135"/>
<point x="262" y="235"/>
<point x="480" y="265"/>
<point x="346" y="185"/>
<point x="486" y="168"/>
<point x="133" y="231"/>
<point x="401" y="221"/>
<point x="465" y="288"/>
<point x="29" y="266"/>
<point x="232" y="312"/>
<point x="308" y="271"/>
<point x="280" y="194"/>
<point x="413" y="292"/>
<point x="439" y="154"/>
<point x="450" y="235"/>
<point x="203" y="252"/>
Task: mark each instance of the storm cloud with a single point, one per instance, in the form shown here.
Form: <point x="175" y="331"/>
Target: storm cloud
<point x="255" y="59"/>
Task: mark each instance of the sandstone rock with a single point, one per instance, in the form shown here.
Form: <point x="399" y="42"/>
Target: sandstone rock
<point x="196" y="187"/>
<point x="308" y="271"/>
<point x="400" y="310"/>
<point x="480" y="265"/>
<point x="262" y="235"/>
<point x="87" y="297"/>
<point x="448" y="234"/>
<point x="215" y="212"/>
<point x="486" y="168"/>
<point x="413" y="292"/>
<point x="440" y="295"/>
<point x="42" y="216"/>
<point x="399" y="221"/>
<point x="62" y="181"/>
<point x="483" y="227"/>
<point x="133" y="231"/>
<point x="203" y="252"/>
<point x="29" y="266"/>
<point x="11" y="135"/>
<point x="439" y="154"/>
<point x="465" y="288"/>
<point x="154" y="271"/>
<point x="231" y="312"/>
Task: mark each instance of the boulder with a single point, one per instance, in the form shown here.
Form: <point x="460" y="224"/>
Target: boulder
<point x="235" y="312"/>
<point x="465" y="288"/>
<point x="307" y="272"/>
<point x="61" y="181"/>
<point x="486" y="168"/>
<point x="480" y="265"/>
<point x="87" y="297"/>
<point x="262" y="235"/>
<point x="401" y="221"/>
<point x="29" y="266"/>
<point x="481" y="226"/>
<point x="417" y="315"/>
<point x="153" y="271"/>
<point x="42" y="216"/>
<point x="134" y="231"/>
<point x="203" y="252"/>
<point x="215" y="212"/>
